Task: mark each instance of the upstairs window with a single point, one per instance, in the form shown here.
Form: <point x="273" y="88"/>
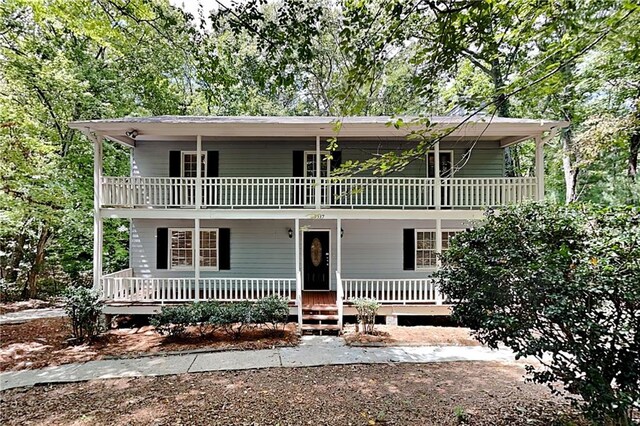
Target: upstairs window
<point x="190" y="164"/>
<point x="446" y="164"/>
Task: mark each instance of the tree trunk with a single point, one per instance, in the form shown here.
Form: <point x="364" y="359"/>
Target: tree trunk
<point x="13" y="267"/>
<point x="31" y="286"/>
<point x="569" y="167"/>
<point x="634" y="145"/>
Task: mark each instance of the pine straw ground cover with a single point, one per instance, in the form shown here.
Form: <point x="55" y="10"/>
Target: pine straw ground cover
<point x="469" y="393"/>
<point x="44" y="342"/>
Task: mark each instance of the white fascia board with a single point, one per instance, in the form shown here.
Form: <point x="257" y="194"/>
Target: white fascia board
<point x="305" y="214"/>
<point x="352" y="127"/>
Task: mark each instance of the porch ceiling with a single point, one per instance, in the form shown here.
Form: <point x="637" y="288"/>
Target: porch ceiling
<point x="127" y="130"/>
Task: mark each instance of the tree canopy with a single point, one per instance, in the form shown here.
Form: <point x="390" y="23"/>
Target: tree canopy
<point x="63" y="61"/>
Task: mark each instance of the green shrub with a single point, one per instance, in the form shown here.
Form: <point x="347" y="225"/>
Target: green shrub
<point x="201" y="314"/>
<point x="234" y="318"/>
<point x="367" y="310"/>
<point x="561" y="284"/>
<point x="272" y="311"/>
<point x="84" y="308"/>
<point x="173" y="320"/>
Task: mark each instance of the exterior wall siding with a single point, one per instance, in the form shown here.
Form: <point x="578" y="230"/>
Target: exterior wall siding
<point x="274" y="159"/>
<point x="263" y="249"/>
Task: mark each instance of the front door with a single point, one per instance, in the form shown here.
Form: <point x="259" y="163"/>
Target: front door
<point x="316" y="257"/>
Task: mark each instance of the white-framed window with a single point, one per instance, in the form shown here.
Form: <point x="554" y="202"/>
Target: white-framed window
<point x="447" y="235"/>
<point x="446" y="164"/>
<point x="182" y="249"/>
<point x="426" y="247"/>
<point x="189" y="164"/>
<point x="310" y="164"/>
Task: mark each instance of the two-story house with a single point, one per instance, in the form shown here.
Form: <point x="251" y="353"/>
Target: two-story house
<point x="238" y="208"/>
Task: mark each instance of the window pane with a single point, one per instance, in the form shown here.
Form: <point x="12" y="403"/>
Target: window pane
<point x="181" y="249"/>
<point x="425" y="249"/>
<point x="190" y="166"/>
<point x="208" y="249"/>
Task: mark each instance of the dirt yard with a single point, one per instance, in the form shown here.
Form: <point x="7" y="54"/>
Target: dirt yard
<point x="8" y="307"/>
<point x="394" y="394"/>
<point x="43" y="342"/>
<point x="387" y="335"/>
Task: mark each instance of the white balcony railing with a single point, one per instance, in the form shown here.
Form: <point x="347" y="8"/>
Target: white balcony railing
<point x="137" y="289"/>
<point x="295" y="192"/>
<point x="393" y="291"/>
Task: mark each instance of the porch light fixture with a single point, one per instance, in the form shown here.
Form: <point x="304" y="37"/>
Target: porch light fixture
<point x="132" y="134"/>
<point x="290" y="232"/>
<point x="341" y="232"/>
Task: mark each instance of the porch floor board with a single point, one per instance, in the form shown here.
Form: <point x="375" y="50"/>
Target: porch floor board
<point x="319" y="298"/>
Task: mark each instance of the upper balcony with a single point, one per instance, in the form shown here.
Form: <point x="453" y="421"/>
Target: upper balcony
<point x="299" y="192"/>
<point x="278" y="163"/>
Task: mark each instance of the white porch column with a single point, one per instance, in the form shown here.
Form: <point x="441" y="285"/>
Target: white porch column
<point x="436" y="174"/>
<point x="438" y="251"/>
<point x="318" y="190"/>
<point x="298" y="275"/>
<point x="199" y="172"/>
<point x="296" y="234"/>
<point x="339" y="245"/>
<point x="539" y="168"/>
<point x="97" y="219"/>
<point x="196" y="257"/>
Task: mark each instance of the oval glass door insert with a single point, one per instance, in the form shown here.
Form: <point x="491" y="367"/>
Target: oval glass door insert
<point x="316" y="252"/>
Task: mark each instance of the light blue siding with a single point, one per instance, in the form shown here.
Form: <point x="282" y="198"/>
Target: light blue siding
<point x="274" y="159"/>
<point x="262" y="248"/>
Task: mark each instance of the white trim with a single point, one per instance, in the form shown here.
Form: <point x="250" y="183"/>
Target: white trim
<point x="182" y="154"/>
<point x="358" y="214"/>
<point x="302" y="255"/>
<point x="98" y="237"/>
<point x="192" y="267"/>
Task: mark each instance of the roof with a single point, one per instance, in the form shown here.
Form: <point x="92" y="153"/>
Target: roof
<point x="129" y="129"/>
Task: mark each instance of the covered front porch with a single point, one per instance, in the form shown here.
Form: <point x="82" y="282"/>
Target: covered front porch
<point x="322" y="263"/>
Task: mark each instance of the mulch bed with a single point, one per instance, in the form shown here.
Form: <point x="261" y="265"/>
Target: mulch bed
<point x="394" y="394"/>
<point x="387" y="335"/>
<point x="45" y="342"/>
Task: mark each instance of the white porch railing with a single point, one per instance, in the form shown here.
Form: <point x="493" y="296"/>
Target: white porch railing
<point x="393" y="291"/>
<point x="246" y="192"/>
<point x="486" y="192"/>
<point x="133" y="191"/>
<point x="339" y="298"/>
<point x="299" y="298"/>
<point x="138" y="289"/>
<point x="296" y="192"/>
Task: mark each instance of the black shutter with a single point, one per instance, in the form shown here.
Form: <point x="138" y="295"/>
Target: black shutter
<point x="224" y="244"/>
<point x="336" y="161"/>
<point x="174" y="163"/>
<point x="212" y="164"/>
<point x="162" y="248"/>
<point x="298" y="163"/>
<point x="409" y="249"/>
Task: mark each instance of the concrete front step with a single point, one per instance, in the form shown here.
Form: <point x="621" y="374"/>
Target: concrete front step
<point x="320" y="317"/>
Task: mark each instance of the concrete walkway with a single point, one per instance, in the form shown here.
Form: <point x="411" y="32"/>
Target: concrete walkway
<point x="313" y="351"/>
<point x="30" y="314"/>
